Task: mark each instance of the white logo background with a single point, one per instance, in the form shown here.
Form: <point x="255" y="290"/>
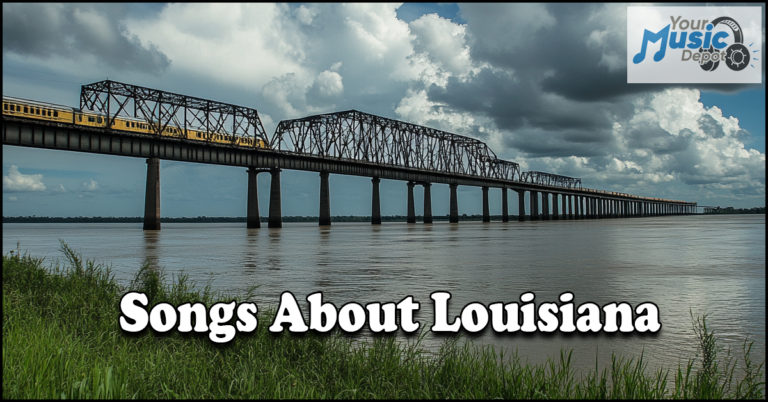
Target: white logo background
<point x="671" y="69"/>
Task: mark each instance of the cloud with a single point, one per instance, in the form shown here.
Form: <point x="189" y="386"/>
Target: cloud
<point x="43" y="30"/>
<point x="542" y="85"/>
<point x="59" y="189"/>
<point x="90" y="185"/>
<point x="18" y="182"/>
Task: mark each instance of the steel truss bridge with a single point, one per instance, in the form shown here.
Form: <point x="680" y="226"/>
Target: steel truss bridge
<point x="349" y="142"/>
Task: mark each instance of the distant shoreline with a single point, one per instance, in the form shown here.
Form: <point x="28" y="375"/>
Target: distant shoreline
<point x="265" y="219"/>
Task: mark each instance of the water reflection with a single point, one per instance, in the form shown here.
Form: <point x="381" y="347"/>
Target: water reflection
<point x="151" y="247"/>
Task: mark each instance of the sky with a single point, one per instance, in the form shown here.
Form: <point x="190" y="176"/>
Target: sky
<point x="543" y="85"/>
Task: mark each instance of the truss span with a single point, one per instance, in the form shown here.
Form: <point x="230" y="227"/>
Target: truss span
<point x="160" y="109"/>
<point x="358" y="136"/>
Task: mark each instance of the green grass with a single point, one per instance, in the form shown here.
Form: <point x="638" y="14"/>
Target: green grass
<point x="61" y="339"/>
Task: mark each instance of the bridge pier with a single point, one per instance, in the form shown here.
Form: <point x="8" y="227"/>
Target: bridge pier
<point x="325" y="200"/>
<point x="555" y="206"/>
<point x="253" y="220"/>
<point x="601" y="208"/>
<point x="520" y="205"/>
<point x="504" y="205"/>
<point x="454" y="216"/>
<point x="545" y="205"/>
<point x="375" y="203"/>
<point x="486" y="210"/>
<point x="533" y="196"/>
<point x="152" y="195"/>
<point x="275" y="203"/>
<point x="411" y="209"/>
<point x="577" y="206"/>
<point x="427" y="202"/>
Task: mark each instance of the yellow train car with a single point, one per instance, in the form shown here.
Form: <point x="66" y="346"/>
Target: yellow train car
<point x="63" y="114"/>
<point x="36" y="110"/>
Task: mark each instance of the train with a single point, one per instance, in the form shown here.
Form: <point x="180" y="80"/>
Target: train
<point x="63" y="114"/>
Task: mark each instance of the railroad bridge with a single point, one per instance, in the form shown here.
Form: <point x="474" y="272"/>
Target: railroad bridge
<point x="347" y="143"/>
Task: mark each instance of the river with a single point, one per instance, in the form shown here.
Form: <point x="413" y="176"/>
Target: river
<point x="707" y="264"/>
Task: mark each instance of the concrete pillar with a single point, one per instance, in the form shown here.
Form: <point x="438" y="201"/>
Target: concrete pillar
<point x="275" y="204"/>
<point x="325" y="200"/>
<point x="520" y="205"/>
<point x="375" y="203"/>
<point x="411" y="208"/>
<point x="454" y="217"/>
<point x="600" y="208"/>
<point x="545" y="205"/>
<point x="486" y="210"/>
<point x="253" y="220"/>
<point x="555" y="206"/>
<point x="152" y="195"/>
<point x="568" y="207"/>
<point x="579" y="207"/>
<point x="427" y="202"/>
<point x="504" y="205"/>
<point x="533" y="196"/>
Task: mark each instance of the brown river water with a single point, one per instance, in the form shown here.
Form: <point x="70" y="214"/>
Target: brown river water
<point x="706" y="264"/>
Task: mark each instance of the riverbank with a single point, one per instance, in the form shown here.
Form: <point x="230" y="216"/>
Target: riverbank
<point x="61" y="339"/>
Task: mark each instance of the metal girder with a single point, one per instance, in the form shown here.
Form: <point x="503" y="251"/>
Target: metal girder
<point x="358" y="136"/>
<point x="550" y="179"/>
<point x="160" y="109"/>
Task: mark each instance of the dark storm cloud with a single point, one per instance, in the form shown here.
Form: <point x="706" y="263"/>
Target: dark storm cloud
<point x="515" y="102"/>
<point x="650" y="136"/>
<point x="562" y="143"/>
<point x="584" y="45"/>
<point x="75" y="30"/>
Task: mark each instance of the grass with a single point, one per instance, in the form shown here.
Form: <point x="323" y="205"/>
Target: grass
<point x="61" y="339"/>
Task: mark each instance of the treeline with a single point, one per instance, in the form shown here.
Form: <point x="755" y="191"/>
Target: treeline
<point x="138" y="219"/>
<point x="732" y="210"/>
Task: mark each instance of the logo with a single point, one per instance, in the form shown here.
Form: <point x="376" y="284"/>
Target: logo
<point x="691" y="44"/>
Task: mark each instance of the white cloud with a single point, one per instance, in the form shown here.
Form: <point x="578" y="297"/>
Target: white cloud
<point x="18" y="182"/>
<point x="329" y="83"/>
<point x="443" y="41"/>
<point x="90" y="185"/>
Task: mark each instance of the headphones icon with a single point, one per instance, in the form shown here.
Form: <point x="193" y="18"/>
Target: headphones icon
<point x="737" y="55"/>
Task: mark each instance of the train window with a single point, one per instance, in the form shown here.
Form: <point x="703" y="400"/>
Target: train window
<point x="98" y="119"/>
<point x="80" y="117"/>
<point x="90" y="119"/>
<point x="5" y="106"/>
<point x="26" y="110"/>
<point x="198" y="135"/>
<point x="55" y="113"/>
<point x="18" y="108"/>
